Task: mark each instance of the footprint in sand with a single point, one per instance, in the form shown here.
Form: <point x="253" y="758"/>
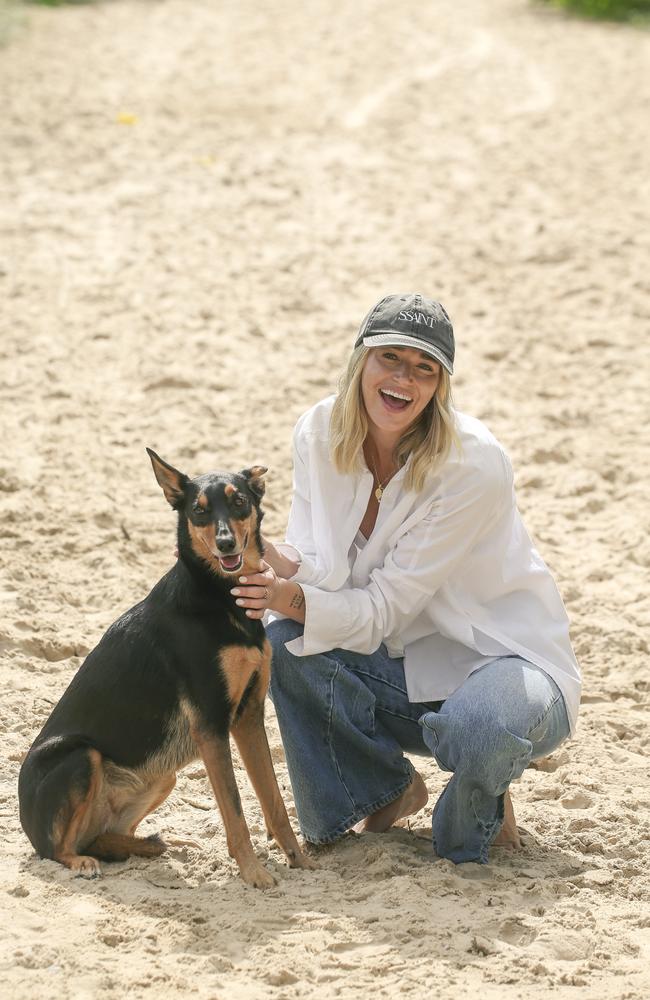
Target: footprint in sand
<point x="51" y="649"/>
<point x="577" y="801"/>
<point x="579" y="824"/>
<point x="542" y="456"/>
<point x="567" y="945"/>
<point x="513" y="931"/>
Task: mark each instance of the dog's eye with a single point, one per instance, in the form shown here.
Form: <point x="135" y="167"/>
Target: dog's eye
<point x="199" y="510"/>
<point x="239" y="501"/>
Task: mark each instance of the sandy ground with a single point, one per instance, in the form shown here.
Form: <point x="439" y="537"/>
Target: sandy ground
<point x="199" y="202"/>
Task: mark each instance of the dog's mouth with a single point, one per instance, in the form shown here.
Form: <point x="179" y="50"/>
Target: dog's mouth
<point x="231" y="564"/>
<point x="228" y="564"/>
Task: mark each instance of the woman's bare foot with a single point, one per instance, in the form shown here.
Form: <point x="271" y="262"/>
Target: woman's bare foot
<point x="508" y="835"/>
<point x="410" y="801"/>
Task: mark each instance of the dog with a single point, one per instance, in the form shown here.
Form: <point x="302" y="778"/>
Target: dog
<point x="168" y="683"/>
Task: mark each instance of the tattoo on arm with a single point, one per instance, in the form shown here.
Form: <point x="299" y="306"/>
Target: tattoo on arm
<point x="297" y="600"/>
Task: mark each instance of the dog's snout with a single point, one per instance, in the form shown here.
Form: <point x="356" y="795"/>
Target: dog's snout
<point x="226" y="544"/>
<point x="225" y="539"/>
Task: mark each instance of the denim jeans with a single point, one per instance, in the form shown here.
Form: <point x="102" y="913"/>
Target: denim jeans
<point x="345" y="720"/>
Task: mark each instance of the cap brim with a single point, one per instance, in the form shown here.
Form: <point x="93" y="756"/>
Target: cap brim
<point x="402" y="340"/>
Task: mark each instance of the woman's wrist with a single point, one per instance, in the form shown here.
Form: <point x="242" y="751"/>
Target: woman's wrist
<point x="283" y="566"/>
<point x="289" y="600"/>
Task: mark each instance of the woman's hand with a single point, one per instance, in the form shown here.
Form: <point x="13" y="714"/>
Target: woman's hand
<point x="266" y="590"/>
<point x="259" y="592"/>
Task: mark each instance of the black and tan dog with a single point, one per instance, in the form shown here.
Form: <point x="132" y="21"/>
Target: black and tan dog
<point x="167" y="683"/>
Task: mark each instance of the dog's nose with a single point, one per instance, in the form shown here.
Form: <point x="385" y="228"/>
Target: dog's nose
<point x="225" y="543"/>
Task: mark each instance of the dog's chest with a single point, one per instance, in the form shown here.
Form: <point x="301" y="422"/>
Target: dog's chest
<point x="241" y="668"/>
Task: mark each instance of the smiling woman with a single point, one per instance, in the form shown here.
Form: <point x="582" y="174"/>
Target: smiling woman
<point x="405" y="396"/>
<point x="411" y="611"/>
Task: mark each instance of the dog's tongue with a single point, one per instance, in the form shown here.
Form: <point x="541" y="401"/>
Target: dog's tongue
<point x="230" y="562"/>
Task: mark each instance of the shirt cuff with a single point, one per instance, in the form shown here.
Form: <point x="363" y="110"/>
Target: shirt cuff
<point x="326" y="621"/>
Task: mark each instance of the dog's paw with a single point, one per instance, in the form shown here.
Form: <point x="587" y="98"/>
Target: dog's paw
<point x="85" y="867"/>
<point x="299" y="860"/>
<point x="254" y="873"/>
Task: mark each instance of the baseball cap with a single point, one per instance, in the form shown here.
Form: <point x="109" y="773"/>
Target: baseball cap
<point x="410" y="320"/>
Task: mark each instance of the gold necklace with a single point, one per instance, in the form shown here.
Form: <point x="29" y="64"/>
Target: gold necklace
<point x="379" y="492"/>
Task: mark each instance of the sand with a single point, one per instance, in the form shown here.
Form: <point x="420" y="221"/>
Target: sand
<point x="199" y="203"/>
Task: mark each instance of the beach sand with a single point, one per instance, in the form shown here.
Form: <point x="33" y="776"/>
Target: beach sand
<point x="199" y="203"/>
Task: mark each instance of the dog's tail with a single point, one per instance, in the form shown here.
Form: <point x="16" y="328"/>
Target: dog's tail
<point x="120" y="846"/>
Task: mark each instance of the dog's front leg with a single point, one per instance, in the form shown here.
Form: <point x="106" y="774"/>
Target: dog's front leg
<point x="252" y="743"/>
<point x="215" y="753"/>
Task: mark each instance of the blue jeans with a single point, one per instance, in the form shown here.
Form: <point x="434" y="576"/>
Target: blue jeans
<point x="345" y="720"/>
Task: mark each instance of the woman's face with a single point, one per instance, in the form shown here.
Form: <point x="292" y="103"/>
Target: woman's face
<point x="396" y="385"/>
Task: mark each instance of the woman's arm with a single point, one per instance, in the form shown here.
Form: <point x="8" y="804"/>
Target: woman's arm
<point x="281" y="564"/>
<point x="422" y="559"/>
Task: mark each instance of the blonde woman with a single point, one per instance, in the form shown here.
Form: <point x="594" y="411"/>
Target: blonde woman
<point x="410" y="610"/>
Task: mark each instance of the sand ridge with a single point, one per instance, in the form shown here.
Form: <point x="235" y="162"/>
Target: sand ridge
<point x="200" y="203"/>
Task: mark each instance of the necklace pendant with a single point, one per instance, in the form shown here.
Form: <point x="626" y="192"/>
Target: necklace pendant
<point x="379" y="493"/>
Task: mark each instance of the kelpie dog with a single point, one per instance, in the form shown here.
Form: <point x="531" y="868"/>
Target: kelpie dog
<point x="167" y="683"/>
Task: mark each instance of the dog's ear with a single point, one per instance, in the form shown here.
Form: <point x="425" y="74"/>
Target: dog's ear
<point x="254" y="478"/>
<point x="172" y="481"/>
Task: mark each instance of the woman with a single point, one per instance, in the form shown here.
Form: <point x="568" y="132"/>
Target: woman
<point x="411" y="611"/>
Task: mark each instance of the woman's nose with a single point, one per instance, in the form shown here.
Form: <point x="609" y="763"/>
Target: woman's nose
<point x="404" y="370"/>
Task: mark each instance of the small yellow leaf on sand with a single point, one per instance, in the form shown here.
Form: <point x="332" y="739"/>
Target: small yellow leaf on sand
<point x="126" y="118"/>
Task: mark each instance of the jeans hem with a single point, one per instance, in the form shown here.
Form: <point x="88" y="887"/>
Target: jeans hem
<point x="482" y="850"/>
<point x="360" y="813"/>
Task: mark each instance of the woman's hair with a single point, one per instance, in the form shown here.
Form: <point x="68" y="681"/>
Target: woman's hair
<point x="429" y="439"/>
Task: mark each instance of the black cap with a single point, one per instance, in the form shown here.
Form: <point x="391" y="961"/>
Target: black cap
<point x="410" y="320"/>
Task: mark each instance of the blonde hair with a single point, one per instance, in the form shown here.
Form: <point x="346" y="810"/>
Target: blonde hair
<point x="429" y="439"/>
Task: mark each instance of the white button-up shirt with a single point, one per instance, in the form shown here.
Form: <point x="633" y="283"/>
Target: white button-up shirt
<point x="449" y="578"/>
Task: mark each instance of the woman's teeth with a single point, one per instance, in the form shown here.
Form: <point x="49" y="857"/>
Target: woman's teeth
<point x="395" y="400"/>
